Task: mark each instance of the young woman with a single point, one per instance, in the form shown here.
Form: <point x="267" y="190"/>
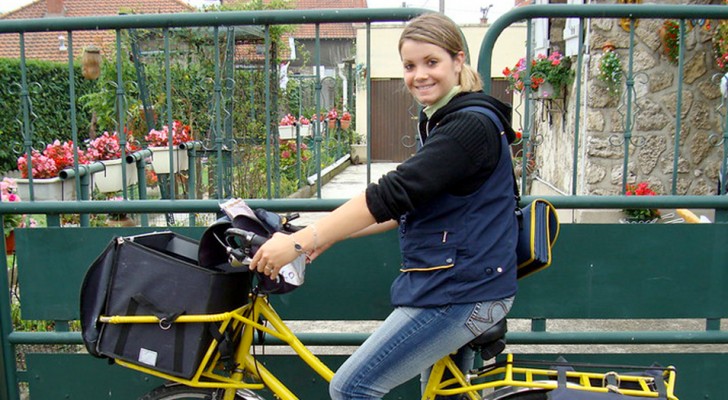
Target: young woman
<point x="453" y="203"/>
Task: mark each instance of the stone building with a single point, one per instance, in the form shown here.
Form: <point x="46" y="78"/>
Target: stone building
<point x="645" y="116"/>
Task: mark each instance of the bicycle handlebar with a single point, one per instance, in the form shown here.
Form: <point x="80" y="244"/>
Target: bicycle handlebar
<point x="250" y="238"/>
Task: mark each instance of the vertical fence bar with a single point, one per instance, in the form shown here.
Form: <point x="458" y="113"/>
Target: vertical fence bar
<point x="120" y="111"/>
<point x="317" y="132"/>
<point x="72" y="113"/>
<point x="219" y="140"/>
<point x="678" y="110"/>
<point x="369" y="102"/>
<point x="170" y="117"/>
<point x="526" y="137"/>
<point x="8" y="377"/>
<point x="577" y="114"/>
<point x="628" y="118"/>
<point x="25" y="109"/>
<point x="230" y="86"/>
<point x="268" y="173"/>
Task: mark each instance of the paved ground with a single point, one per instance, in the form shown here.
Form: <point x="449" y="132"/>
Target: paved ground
<point x="348" y="183"/>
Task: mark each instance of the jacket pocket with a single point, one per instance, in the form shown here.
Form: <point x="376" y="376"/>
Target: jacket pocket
<point x="428" y="252"/>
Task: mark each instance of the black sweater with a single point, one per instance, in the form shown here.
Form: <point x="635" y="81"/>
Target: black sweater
<point x="456" y="158"/>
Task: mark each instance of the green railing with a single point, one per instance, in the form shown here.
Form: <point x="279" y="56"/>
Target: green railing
<point x="223" y="142"/>
<point x="587" y="236"/>
<point x="698" y="18"/>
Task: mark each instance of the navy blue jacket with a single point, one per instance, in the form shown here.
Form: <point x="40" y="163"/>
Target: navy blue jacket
<point x="458" y="229"/>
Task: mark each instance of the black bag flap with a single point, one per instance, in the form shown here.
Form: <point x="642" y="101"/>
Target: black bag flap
<point x="93" y="296"/>
<point x="212" y="252"/>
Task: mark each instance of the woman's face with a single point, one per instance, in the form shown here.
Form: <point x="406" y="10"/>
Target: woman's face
<point x="429" y="71"/>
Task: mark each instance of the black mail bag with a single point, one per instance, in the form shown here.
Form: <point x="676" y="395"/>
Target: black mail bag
<point x="157" y="274"/>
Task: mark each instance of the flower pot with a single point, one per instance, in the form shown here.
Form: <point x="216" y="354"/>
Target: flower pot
<point x="332" y="123"/>
<point x="286" y="132"/>
<point x="545" y="91"/>
<point x="10" y="243"/>
<point x="91" y="62"/>
<point x="54" y="189"/>
<point x="111" y="180"/>
<point x="345" y="123"/>
<point x="160" y="160"/>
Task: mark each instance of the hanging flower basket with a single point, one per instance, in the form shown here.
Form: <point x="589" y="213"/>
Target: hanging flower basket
<point x="546" y="91"/>
<point x="54" y="189"/>
<point x="111" y="179"/>
<point x="160" y="160"/>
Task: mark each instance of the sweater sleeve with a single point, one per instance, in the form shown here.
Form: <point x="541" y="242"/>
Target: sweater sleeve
<point x="456" y="159"/>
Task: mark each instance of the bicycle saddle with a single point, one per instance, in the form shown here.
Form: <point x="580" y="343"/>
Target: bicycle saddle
<point x="491" y="342"/>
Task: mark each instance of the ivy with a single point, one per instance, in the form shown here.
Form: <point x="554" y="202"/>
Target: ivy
<point x="49" y="95"/>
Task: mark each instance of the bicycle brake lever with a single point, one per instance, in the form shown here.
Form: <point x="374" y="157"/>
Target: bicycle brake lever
<point x="237" y="257"/>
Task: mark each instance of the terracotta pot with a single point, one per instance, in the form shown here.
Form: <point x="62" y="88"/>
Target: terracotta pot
<point x="10" y="243"/>
<point x="332" y="123"/>
<point x="345" y="123"/>
<point x="91" y="64"/>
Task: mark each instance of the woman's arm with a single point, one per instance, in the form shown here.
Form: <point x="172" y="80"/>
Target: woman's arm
<point x="352" y="217"/>
<point x="369" y="230"/>
<point x="375" y="228"/>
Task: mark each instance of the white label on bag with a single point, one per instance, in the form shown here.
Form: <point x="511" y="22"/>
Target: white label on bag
<point x="148" y="357"/>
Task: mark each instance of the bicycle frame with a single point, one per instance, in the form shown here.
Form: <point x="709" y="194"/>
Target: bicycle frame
<point x="252" y="375"/>
<point x="245" y="318"/>
<point x="509" y="374"/>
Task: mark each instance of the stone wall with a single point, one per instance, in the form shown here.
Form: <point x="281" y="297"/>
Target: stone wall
<point x="603" y="116"/>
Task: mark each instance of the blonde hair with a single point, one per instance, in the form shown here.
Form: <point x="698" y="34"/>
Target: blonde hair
<point x="437" y="29"/>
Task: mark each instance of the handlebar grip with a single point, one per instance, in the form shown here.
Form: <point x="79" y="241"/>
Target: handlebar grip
<point x="250" y="238"/>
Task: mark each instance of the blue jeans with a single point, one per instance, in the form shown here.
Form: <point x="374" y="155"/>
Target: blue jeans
<point x="408" y="343"/>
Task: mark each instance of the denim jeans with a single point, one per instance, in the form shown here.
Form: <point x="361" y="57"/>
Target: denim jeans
<point x="408" y="343"/>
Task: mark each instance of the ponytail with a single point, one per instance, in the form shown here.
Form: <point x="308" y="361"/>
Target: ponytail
<point x="470" y="80"/>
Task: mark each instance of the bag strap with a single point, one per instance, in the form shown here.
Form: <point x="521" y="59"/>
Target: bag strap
<point x="498" y="124"/>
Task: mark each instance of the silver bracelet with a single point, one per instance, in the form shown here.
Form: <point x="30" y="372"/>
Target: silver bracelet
<point x="315" y="237"/>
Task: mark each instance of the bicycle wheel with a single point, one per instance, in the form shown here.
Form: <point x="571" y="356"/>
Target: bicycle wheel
<point x="182" y="392"/>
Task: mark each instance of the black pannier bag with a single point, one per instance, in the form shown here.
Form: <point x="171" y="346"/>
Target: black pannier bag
<point x="157" y="274"/>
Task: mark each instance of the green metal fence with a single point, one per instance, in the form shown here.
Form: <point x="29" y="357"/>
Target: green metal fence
<point x="577" y="269"/>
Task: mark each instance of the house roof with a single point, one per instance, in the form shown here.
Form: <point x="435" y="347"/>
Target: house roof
<point x="327" y="31"/>
<point x="45" y="45"/>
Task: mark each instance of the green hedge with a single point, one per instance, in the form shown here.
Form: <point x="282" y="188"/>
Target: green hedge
<point x="50" y="102"/>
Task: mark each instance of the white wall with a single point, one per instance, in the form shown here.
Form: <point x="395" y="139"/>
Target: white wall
<point x="385" y="61"/>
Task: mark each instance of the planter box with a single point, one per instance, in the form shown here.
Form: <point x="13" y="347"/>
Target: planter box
<point x="287" y="132"/>
<point x="54" y="189"/>
<point x="111" y="180"/>
<point x="306" y="130"/>
<point x="160" y="160"/>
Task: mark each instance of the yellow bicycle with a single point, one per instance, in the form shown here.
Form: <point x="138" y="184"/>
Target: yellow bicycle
<point x="229" y="368"/>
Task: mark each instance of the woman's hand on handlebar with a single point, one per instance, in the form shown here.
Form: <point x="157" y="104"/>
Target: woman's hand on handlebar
<point x="278" y="251"/>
